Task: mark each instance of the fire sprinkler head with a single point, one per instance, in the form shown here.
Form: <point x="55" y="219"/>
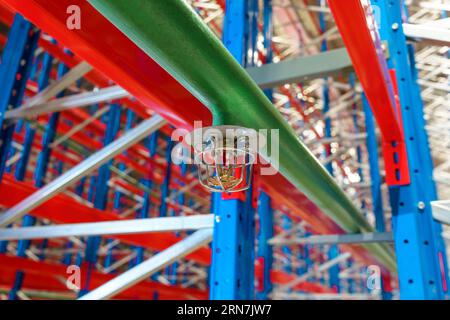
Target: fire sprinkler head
<point x="224" y="156"/>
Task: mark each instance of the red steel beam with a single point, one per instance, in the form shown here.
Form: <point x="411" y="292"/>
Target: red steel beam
<point x="103" y="46"/>
<point x="6" y="15"/>
<point x="42" y="275"/>
<point x="107" y="49"/>
<point x="360" y="36"/>
<point x="63" y="209"/>
<point x="280" y="277"/>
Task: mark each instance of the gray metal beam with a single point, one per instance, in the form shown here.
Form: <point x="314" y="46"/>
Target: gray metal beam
<point x="316" y="271"/>
<point x="435" y="5"/>
<point x="150" y="266"/>
<point x="52" y="90"/>
<point x="434" y="33"/>
<point x="441" y="211"/>
<point x="73" y="75"/>
<point x="73" y="175"/>
<point x="69" y="102"/>
<point x="134" y="226"/>
<point x="336" y="239"/>
<point x="300" y="69"/>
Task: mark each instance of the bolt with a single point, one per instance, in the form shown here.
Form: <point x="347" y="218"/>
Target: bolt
<point x="395" y="26"/>
<point x="217" y="219"/>
<point x="421" y="205"/>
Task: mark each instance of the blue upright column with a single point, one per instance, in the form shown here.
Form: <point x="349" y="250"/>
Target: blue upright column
<point x="419" y="246"/>
<point x="17" y="62"/>
<point x="15" y="68"/>
<point x="265" y="212"/>
<point x="109" y="259"/>
<point x="286" y="224"/>
<point x="181" y="202"/>
<point x="231" y="274"/>
<point x="333" y="251"/>
<point x="101" y="193"/>
<point x="326" y="93"/>
<point x="265" y="252"/>
<point x="165" y="191"/>
<point x="375" y="178"/>
<point x="49" y="136"/>
<point x="334" y="280"/>
<point x="351" y="281"/>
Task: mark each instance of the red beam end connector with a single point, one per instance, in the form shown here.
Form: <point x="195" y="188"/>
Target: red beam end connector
<point x="394" y="151"/>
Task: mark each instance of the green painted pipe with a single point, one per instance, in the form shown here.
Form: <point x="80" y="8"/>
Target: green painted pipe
<point x="172" y="34"/>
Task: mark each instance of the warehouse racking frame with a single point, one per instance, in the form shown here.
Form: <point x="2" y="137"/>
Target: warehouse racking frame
<point x="87" y="116"/>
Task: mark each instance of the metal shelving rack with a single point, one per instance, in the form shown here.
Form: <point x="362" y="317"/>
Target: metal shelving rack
<point x="88" y="182"/>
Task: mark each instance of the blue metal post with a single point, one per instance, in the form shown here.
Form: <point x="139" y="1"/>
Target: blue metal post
<point x="333" y="251"/>
<point x="419" y="246"/>
<point x="351" y="281"/>
<point x="152" y="148"/>
<point x="334" y="280"/>
<point x="67" y="258"/>
<point x="101" y="193"/>
<point x="117" y="194"/>
<point x="265" y="252"/>
<point x="232" y="265"/>
<point x="144" y="212"/>
<point x="49" y="135"/>
<point x="326" y="93"/>
<point x="165" y="187"/>
<point x="181" y="201"/>
<point x="104" y="173"/>
<point x="375" y="177"/>
<point x="79" y="189"/>
<point x="265" y="212"/>
<point x="309" y="263"/>
<point x="427" y="170"/>
<point x="268" y="34"/>
<point x="17" y="61"/>
<point x="286" y="224"/>
<point x="21" y="168"/>
<point x="356" y="126"/>
<point x="166" y="183"/>
<point x="231" y="274"/>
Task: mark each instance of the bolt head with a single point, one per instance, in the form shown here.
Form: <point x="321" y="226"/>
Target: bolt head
<point x="395" y="26"/>
<point x="217" y="219"/>
<point x="421" y="205"/>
